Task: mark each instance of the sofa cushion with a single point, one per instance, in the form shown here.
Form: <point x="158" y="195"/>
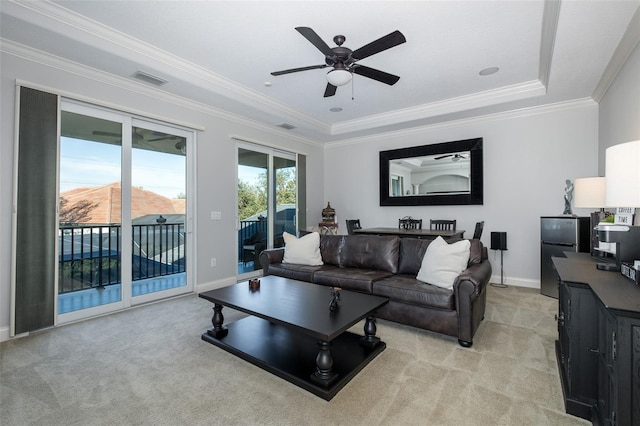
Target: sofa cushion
<point x="407" y="289"/>
<point x="355" y="279"/>
<point x="443" y="262"/>
<point x="303" y="251"/>
<point x="412" y="252"/>
<point x="330" y="246"/>
<point x="371" y="252"/>
<point x="297" y="272"/>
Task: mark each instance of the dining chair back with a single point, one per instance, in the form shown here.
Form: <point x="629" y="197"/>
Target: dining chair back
<point x="442" y="225"/>
<point x="353" y="224"/>
<point x="478" y="232"/>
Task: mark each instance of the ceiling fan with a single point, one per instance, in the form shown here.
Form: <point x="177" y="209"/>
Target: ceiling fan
<point x="343" y="60"/>
<point x="454" y="157"/>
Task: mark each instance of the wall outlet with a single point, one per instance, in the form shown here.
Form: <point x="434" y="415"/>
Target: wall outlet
<point x="216" y="215"/>
<point x="214" y="262"/>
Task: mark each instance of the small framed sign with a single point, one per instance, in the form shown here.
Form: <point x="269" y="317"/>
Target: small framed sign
<point x="624" y="216"/>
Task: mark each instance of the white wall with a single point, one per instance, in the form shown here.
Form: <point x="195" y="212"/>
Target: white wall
<point x="215" y="163"/>
<point x="620" y="108"/>
<point x="528" y="155"/>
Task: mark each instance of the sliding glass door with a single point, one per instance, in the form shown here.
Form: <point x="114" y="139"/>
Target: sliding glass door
<point x="122" y="236"/>
<point x="267" y="202"/>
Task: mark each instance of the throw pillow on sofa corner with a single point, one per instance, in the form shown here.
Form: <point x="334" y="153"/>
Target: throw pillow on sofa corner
<point x="303" y="251"/>
<point x="443" y="262"/>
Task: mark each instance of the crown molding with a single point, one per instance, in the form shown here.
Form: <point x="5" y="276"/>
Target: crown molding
<point x="550" y="17"/>
<point x="482" y="119"/>
<point x="630" y="40"/>
<point x="55" y="18"/>
<point x="462" y="103"/>
<point x="33" y="55"/>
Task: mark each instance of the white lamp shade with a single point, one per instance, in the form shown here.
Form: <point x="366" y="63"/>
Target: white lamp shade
<point x="622" y="164"/>
<point x="339" y="77"/>
<point x="589" y="192"/>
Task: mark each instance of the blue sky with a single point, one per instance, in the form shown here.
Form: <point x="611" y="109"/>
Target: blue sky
<point x="91" y="164"/>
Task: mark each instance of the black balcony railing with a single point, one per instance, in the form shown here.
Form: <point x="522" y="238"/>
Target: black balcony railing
<point x="89" y="256"/>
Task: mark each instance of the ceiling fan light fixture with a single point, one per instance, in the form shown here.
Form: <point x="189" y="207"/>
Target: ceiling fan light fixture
<point x="339" y="77"/>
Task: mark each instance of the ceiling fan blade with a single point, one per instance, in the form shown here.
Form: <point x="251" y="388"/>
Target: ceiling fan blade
<point x="443" y="156"/>
<point x="289" y="71"/>
<point x="383" y="43"/>
<point x="315" y="39"/>
<point x="330" y="90"/>
<point x="375" y="74"/>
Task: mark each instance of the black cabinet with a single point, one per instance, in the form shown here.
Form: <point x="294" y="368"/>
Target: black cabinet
<point x="598" y="346"/>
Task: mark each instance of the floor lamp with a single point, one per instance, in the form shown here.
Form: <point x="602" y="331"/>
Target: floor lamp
<point x="499" y="242"/>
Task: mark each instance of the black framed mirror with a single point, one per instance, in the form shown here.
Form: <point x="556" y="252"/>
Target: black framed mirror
<point x="448" y="173"/>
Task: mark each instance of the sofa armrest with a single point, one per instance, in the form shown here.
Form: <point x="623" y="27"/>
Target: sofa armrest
<point x="470" y="293"/>
<point x="478" y="275"/>
<point x="270" y="256"/>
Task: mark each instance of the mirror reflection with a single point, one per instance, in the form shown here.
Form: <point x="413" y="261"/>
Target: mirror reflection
<point x="430" y="175"/>
<point x="448" y="173"/>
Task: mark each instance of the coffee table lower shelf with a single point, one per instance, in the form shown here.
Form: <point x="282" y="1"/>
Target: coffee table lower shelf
<point x="291" y="355"/>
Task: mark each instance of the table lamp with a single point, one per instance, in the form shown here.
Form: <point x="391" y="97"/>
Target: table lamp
<point x="623" y="175"/>
<point x="589" y="192"/>
<point x="622" y="189"/>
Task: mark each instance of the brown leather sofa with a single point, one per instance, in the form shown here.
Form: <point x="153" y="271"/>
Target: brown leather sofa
<point x="387" y="266"/>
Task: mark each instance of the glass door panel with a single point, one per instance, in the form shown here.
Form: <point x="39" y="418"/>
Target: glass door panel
<point x="158" y="209"/>
<point x="267" y="202"/>
<point x="284" y="177"/>
<point x="89" y="230"/>
<point x="253" y="212"/>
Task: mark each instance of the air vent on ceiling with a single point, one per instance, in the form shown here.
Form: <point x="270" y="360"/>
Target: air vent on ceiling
<point x="287" y="126"/>
<point x="146" y="77"/>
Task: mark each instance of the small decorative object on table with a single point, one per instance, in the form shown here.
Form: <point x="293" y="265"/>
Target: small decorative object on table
<point x="630" y="272"/>
<point x="335" y="299"/>
<point x="568" y="196"/>
<point x="254" y="284"/>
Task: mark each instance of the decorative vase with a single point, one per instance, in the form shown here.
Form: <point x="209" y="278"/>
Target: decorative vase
<point x="328" y="214"/>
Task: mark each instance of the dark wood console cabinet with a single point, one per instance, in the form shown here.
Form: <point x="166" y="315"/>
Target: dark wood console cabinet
<point x="598" y="346"/>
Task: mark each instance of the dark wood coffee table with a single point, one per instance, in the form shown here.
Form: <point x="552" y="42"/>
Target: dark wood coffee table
<point x="292" y="333"/>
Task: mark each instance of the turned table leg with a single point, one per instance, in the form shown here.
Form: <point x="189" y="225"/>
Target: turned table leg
<point x="218" y="331"/>
<point x="370" y="340"/>
<point x="324" y="374"/>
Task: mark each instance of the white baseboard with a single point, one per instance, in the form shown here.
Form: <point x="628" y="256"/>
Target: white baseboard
<point x="517" y="282"/>
<point x="4" y="334"/>
<point x="212" y="285"/>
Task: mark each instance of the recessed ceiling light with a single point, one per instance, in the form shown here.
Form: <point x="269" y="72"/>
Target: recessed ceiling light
<point x="489" y="71"/>
<point x="335" y="109"/>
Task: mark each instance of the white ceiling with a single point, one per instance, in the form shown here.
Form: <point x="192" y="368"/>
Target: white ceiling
<point x="221" y="53"/>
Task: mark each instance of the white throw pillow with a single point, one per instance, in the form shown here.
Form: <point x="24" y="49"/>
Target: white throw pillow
<point x="303" y="251"/>
<point x="443" y="262"/>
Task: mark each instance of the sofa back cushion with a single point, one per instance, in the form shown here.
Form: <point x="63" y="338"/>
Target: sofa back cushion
<point x="330" y="246"/>
<point x="412" y="252"/>
<point x="371" y="252"/>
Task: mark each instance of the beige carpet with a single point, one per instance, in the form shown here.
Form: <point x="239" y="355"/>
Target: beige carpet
<point x="148" y="366"/>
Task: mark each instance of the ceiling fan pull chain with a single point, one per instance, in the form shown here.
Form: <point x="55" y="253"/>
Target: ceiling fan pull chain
<point x="352" y="95"/>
